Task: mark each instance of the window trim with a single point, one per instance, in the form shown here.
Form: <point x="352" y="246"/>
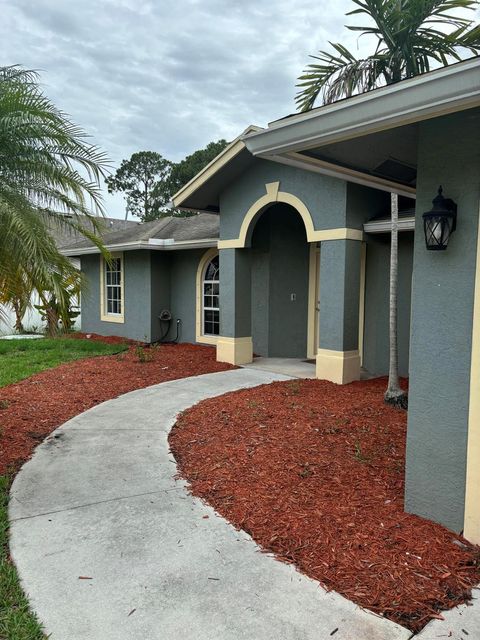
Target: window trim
<point x="204" y="262"/>
<point x="104" y="315"/>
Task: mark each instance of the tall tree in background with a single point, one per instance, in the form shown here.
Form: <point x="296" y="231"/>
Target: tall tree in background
<point x="412" y="36"/>
<point x="183" y="171"/>
<point x="49" y="175"/>
<point x="137" y="178"/>
<point x="149" y="181"/>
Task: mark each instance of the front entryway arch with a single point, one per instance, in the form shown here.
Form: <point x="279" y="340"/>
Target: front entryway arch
<point x="280" y="288"/>
<point x="273" y="196"/>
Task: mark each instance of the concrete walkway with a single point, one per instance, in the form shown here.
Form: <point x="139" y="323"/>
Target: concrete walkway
<point x="110" y="547"/>
<point x="287" y="366"/>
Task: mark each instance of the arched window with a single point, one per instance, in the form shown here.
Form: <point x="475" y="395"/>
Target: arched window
<point x="211" y="298"/>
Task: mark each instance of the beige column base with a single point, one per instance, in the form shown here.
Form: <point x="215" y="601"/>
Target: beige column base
<point x="234" y="350"/>
<point x="340" y="367"/>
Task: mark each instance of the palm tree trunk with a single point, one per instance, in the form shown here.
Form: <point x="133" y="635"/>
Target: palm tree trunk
<point x="50" y="315"/>
<point x="19" y="312"/>
<point x="394" y="394"/>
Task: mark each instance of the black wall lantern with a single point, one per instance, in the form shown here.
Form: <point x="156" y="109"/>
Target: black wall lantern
<point x="440" y="222"/>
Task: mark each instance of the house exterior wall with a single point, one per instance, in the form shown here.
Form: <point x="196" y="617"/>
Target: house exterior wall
<point x="184" y="265"/>
<point x="333" y="213"/>
<point x="235" y="299"/>
<point x="376" y="326"/>
<point x="160" y="276"/>
<point x="339" y="295"/>
<point x="442" y="310"/>
<point x="325" y="197"/>
<point x="154" y="281"/>
<point x="363" y="204"/>
<point x="279" y="268"/>
<point x="137" y="298"/>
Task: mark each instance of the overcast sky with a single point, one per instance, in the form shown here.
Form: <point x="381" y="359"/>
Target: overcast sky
<point x="169" y="75"/>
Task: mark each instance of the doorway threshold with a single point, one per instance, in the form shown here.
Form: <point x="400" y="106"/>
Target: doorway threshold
<point x="294" y="367"/>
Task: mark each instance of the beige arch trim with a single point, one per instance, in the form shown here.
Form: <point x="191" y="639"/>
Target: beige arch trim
<point x="472" y="491"/>
<point x="273" y="195"/>
<point x="199" y="337"/>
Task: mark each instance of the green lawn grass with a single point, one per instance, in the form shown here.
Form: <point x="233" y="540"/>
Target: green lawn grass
<point x="17" y="622"/>
<point x="20" y="359"/>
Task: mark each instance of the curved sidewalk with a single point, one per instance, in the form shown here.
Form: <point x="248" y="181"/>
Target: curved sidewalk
<point x="110" y="547"/>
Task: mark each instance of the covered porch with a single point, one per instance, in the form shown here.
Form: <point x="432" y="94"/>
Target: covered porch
<point x="421" y="133"/>
<point x="336" y="166"/>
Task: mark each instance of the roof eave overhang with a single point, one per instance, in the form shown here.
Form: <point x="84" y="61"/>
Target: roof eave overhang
<point x="153" y="244"/>
<point x="316" y="165"/>
<point x="430" y="95"/>
<point x="227" y="155"/>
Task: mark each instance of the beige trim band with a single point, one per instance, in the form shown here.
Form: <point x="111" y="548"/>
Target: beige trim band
<point x="274" y="195"/>
<point x="472" y="489"/>
<point x="342" y="233"/>
<point x="235" y="350"/>
<point x="340" y="367"/>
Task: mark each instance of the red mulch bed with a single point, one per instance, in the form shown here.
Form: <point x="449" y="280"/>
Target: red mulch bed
<point x="39" y="404"/>
<point x="314" y="473"/>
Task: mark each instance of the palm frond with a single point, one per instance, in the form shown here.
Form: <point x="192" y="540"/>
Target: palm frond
<point x="337" y="76"/>
<point x="49" y="171"/>
<point x="413" y="36"/>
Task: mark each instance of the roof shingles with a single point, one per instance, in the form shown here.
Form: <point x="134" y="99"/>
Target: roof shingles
<point x="201" y="226"/>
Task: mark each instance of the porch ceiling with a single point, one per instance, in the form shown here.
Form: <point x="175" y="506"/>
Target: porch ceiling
<point x="371" y="138"/>
<point x="388" y="154"/>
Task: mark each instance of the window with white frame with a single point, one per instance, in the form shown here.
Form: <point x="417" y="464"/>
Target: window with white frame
<point x="211" y="298"/>
<point x="113" y="287"/>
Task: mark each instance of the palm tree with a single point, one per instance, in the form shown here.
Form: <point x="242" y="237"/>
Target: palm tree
<point x="412" y="36"/>
<point x="47" y="169"/>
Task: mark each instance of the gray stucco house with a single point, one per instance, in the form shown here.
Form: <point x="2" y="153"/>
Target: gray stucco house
<point x="289" y="256"/>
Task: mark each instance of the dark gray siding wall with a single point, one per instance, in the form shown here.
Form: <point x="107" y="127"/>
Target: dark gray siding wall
<point x="184" y="265"/>
<point x="160" y="265"/>
<point x="235" y="293"/>
<point x="137" y="325"/>
<point x="154" y="281"/>
<point x="339" y="294"/>
<point x="376" y="328"/>
<point x="279" y="268"/>
<point x="332" y="202"/>
<point x="442" y="309"/>
<point x="364" y="203"/>
<point x="324" y="197"/>
<point x="260" y="296"/>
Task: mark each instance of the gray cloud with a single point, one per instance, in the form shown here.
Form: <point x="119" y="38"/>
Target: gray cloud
<point x="169" y="76"/>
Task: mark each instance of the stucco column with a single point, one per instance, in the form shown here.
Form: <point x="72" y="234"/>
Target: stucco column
<point x="444" y="412"/>
<point x="235" y="342"/>
<point x="338" y="356"/>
